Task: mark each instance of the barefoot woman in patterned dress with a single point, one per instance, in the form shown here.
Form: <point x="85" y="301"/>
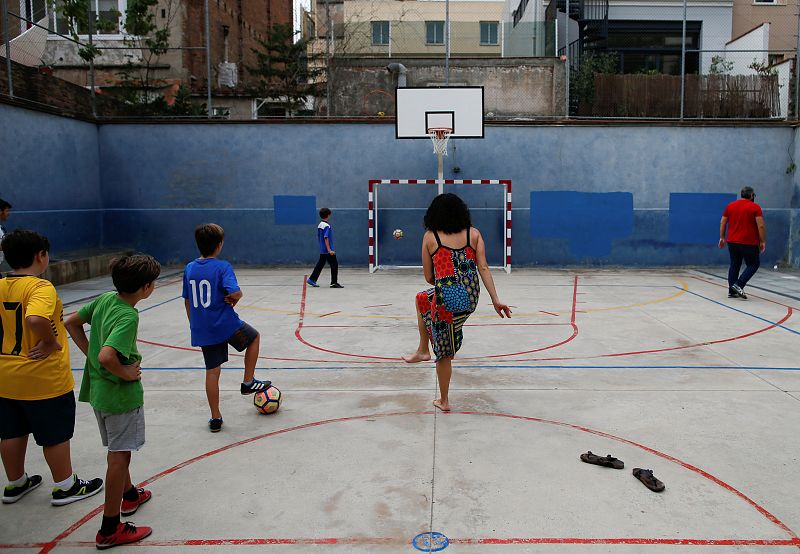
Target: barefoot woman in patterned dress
<point x="453" y="254"/>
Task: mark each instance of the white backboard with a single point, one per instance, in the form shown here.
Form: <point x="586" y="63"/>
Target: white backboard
<point x="420" y="108"/>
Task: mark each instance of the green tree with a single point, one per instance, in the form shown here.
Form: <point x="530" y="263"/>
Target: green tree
<point x="284" y="71"/>
<point x="582" y="80"/>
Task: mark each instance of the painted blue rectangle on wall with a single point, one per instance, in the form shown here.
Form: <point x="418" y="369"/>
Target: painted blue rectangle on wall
<point x="589" y="220"/>
<point x="694" y="216"/>
<point x="295" y="210"/>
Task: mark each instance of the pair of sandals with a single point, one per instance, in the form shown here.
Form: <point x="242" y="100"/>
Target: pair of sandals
<point x="644" y="475"/>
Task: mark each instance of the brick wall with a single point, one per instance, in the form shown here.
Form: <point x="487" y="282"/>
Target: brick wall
<point x="67" y="98"/>
<point x="247" y="21"/>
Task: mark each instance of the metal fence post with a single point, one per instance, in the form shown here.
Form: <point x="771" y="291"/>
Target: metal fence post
<point x="683" y="59"/>
<point x="7" y="34"/>
<point x="567" y="61"/>
<point x="447" y="42"/>
<point x="797" y="68"/>
<point x="208" y="61"/>
<point x="91" y="62"/>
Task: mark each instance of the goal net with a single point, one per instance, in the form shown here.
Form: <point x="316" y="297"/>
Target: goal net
<point x="400" y="204"/>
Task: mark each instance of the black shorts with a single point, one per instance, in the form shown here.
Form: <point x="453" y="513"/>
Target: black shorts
<point x="52" y="421"/>
<point x="217" y="354"/>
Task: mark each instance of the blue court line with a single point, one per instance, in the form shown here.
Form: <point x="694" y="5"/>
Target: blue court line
<point x="159" y="304"/>
<point x="308" y="368"/>
<point x="742" y="311"/>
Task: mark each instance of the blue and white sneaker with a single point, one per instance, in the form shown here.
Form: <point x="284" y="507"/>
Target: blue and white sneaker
<point x="312" y="283"/>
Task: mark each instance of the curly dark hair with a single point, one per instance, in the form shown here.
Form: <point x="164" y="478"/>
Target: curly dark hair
<point x="448" y="214"/>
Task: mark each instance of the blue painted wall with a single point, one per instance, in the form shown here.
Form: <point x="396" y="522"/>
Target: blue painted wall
<point x="50" y="174"/>
<point x="161" y="180"/>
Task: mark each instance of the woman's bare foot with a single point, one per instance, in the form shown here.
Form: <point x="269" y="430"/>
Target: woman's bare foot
<point x="417" y="357"/>
<point x="444" y="406"/>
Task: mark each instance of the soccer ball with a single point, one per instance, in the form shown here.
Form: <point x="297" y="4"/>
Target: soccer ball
<point x="268" y="401"/>
<point x="397" y="233"/>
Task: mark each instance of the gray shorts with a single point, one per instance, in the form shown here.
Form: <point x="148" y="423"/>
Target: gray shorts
<point x="121" y="432"/>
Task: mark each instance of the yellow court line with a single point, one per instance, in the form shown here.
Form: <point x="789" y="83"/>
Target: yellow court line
<point x="683" y="290"/>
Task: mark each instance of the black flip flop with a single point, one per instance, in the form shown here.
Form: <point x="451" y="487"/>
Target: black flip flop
<point x="605" y="461"/>
<point x="646" y="476"/>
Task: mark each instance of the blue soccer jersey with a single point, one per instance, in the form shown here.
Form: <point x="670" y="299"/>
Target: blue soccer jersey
<point x="206" y="283"/>
<point x="324" y="231"/>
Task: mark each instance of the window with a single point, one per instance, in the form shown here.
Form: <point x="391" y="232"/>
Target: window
<point x="489" y="32"/>
<point x="434" y="32"/>
<point x="380" y="32"/>
<point x="32" y="11"/>
<point x="108" y="14"/>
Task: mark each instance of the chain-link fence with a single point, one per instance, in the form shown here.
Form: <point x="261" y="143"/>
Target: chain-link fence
<point x="566" y="58"/>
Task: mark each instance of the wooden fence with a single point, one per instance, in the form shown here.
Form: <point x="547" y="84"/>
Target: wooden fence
<point x="707" y="96"/>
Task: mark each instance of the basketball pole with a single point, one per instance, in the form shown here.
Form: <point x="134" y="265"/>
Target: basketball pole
<point x="440" y="180"/>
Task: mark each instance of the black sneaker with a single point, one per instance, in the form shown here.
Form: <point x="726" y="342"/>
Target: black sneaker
<point x="78" y="491"/>
<point x="739" y="292"/>
<point x="13" y="493"/>
<point x="336" y="286"/>
<point x="255" y="386"/>
<point x="214" y="425"/>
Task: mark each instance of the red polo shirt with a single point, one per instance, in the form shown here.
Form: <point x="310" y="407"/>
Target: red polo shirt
<point x="742" y="227"/>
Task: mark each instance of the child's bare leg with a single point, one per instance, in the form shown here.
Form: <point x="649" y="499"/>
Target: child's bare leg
<point x="212" y="393"/>
<point x="59" y="460"/>
<point x="118" y="480"/>
<point x="423" y="353"/>
<point x="251" y="358"/>
<point x="444" y="370"/>
<point x="13" y="453"/>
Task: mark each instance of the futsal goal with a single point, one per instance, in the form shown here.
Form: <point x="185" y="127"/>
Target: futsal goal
<point x="401" y="204"/>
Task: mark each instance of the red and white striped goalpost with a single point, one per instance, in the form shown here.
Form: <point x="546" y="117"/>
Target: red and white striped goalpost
<point x="373" y="211"/>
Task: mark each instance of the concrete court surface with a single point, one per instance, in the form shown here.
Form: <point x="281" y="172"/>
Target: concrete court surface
<point x="657" y="367"/>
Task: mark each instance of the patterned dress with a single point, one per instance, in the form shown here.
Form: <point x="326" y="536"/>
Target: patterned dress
<point x="446" y="306"/>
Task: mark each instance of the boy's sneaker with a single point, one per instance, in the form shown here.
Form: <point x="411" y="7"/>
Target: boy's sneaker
<point x="739" y="292"/>
<point x="126" y="533"/>
<point x="312" y="283"/>
<point x="78" y="491"/>
<point x="129" y="507"/>
<point x="13" y="493"/>
<point x="255" y="386"/>
<point x="215" y="424"/>
<point x="336" y="286"/>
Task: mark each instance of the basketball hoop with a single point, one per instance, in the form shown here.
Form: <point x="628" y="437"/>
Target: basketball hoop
<point x="440" y="136"/>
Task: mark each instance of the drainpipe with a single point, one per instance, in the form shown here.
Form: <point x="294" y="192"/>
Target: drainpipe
<point x="401" y="71"/>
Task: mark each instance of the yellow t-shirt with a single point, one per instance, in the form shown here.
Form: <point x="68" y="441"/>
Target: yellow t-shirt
<point x="20" y="377"/>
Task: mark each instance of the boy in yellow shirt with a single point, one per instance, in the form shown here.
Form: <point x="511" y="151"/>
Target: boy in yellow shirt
<point x="36" y="384"/>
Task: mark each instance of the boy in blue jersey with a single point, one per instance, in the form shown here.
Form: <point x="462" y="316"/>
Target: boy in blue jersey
<point x="326" y="252"/>
<point x="210" y="292"/>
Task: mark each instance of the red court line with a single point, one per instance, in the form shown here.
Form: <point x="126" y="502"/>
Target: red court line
<point x="748" y="293"/>
<point x="370" y="541"/>
<point x="548" y="313"/>
<point x="659" y="350"/>
<point x="188" y="349"/>
<point x="795" y="541"/>
<point x="572" y="337"/>
<point x="332" y="313"/>
<point x="302" y="340"/>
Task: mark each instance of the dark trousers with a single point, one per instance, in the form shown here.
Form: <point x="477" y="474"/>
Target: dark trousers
<point x="331" y="259"/>
<point x="752" y="259"/>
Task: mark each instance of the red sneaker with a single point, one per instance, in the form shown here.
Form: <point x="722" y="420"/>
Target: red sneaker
<point x="126" y="533"/>
<point x="129" y="507"/>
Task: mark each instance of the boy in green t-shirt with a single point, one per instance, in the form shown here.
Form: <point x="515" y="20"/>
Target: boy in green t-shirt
<point x="112" y="385"/>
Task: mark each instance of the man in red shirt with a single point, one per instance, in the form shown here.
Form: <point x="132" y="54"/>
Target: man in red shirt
<point x="747" y="236"/>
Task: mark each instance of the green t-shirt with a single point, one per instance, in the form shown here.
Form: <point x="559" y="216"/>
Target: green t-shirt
<point x="114" y="323"/>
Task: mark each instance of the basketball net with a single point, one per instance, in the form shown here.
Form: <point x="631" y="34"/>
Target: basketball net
<point x="440" y="136"/>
